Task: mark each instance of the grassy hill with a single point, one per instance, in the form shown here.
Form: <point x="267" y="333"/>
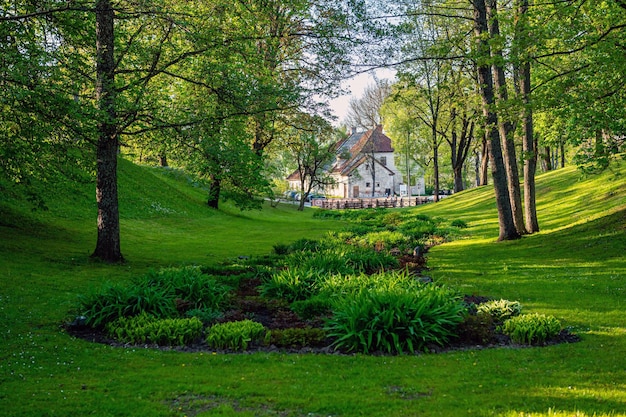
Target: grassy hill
<point x="574" y="268"/>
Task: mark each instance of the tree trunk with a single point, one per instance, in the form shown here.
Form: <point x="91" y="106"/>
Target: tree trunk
<point x="435" y="162"/>
<point x="505" y="127"/>
<point x="484" y="162"/>
<point x="163" y="160"/>
<point x="528" y="141"/>
<point x="108" y="241"/>
<point x="530" y="154"/>
<point x="547" y="159"/>
<point x="214" y="192"/>
<point x="503" y="203"/>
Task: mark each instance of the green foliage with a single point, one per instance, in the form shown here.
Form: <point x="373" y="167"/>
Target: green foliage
<point x="382" y="240"/>
<point x="145" y="328"/>
<point x="348" y="285"/>
<point x="281" y="249"/>
<point x="500" y="310"/>
<point x="305" y="244"/>
<point x="296" y="337"/>
<point x="158" y="293"/>
<point x="418" y="229"/>
<point x="114" y="301"/>
<point x="291" y="284"/>
<point x="459" y="223"/>
<point x="189" y="284"/>
<point x="312" y="307"/>
<point x="532" y="329"/>
<point x="395" y="320"/>
<point x="206" y="316"/>
<point x="235" y="335"/>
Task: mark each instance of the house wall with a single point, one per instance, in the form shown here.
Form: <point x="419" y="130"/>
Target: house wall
<point x="383" y="181"/>
<point x="361" y="177"/>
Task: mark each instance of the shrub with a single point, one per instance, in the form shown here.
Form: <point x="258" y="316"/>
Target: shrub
<point x="532" y="329"/>
<point x="145" y="328"/>
<point x="235" y="335"/>
<point x="500" y="310"/>
<point x="458" y="223"/>
<point x="114" y="301"/>
<point x="395" y="320"/>
<point x="281" y="249"/>
<point x="296" y="337"/>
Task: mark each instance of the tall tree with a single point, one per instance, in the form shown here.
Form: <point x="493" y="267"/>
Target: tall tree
<point x="522" y="43"/>
<point x="507" y="228"/>
<point x="505" y="124"/>
<point x="108" y="240"/>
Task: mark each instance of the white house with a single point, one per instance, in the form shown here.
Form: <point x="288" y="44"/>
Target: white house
<point x="364" y="166"/>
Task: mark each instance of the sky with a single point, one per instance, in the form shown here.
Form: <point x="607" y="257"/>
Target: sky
<point x="355" y="86"/>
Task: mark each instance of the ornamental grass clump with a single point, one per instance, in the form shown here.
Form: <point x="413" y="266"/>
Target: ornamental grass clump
<point x="235" y="335"/>
<point x="532" y="329"/>
<point x="395" y="320"/>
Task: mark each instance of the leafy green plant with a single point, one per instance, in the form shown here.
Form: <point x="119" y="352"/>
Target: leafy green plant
<point x="145" y="328"/>
<point x="500" y="310"/>
<point x="395" y="320"/>
<point x="417" y="229"/>
<point x="459" y="223"/>
<point x="281" y="249"/>
<point x="296" y="337"/>
<point x="206" y="316"/>
<point x="312" y="307"/>
<point x="114" y="301"/>
<point x="304" y="245"/>
<point x="334" y="286"/>
<point x="382" y="239"/>
<point x="291" y="284"/>
<point x="191" y="284"/>
<point x="532" y="329"/>
<point x="235" y="335"/>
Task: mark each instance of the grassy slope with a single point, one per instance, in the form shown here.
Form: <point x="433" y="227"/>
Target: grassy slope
<point x="574" y="269"/>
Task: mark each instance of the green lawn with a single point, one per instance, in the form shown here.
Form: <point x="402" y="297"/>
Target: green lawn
<point x="574" y="268"/>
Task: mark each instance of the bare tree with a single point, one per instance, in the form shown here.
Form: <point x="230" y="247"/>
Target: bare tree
<point x="364" y="112"/>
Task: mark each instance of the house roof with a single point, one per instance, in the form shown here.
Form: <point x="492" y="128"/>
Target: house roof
<point x="357" y="145"/>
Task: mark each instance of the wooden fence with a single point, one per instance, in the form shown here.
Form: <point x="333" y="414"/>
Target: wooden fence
<point x="362" y="203"/>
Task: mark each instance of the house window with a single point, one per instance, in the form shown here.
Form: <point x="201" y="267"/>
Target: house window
<point x="377" y="185"/>
<point x="368" y="184"/>
<point x="383" y="160"/>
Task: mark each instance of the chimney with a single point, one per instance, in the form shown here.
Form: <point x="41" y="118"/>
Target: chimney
<point x="354" y="130"/>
